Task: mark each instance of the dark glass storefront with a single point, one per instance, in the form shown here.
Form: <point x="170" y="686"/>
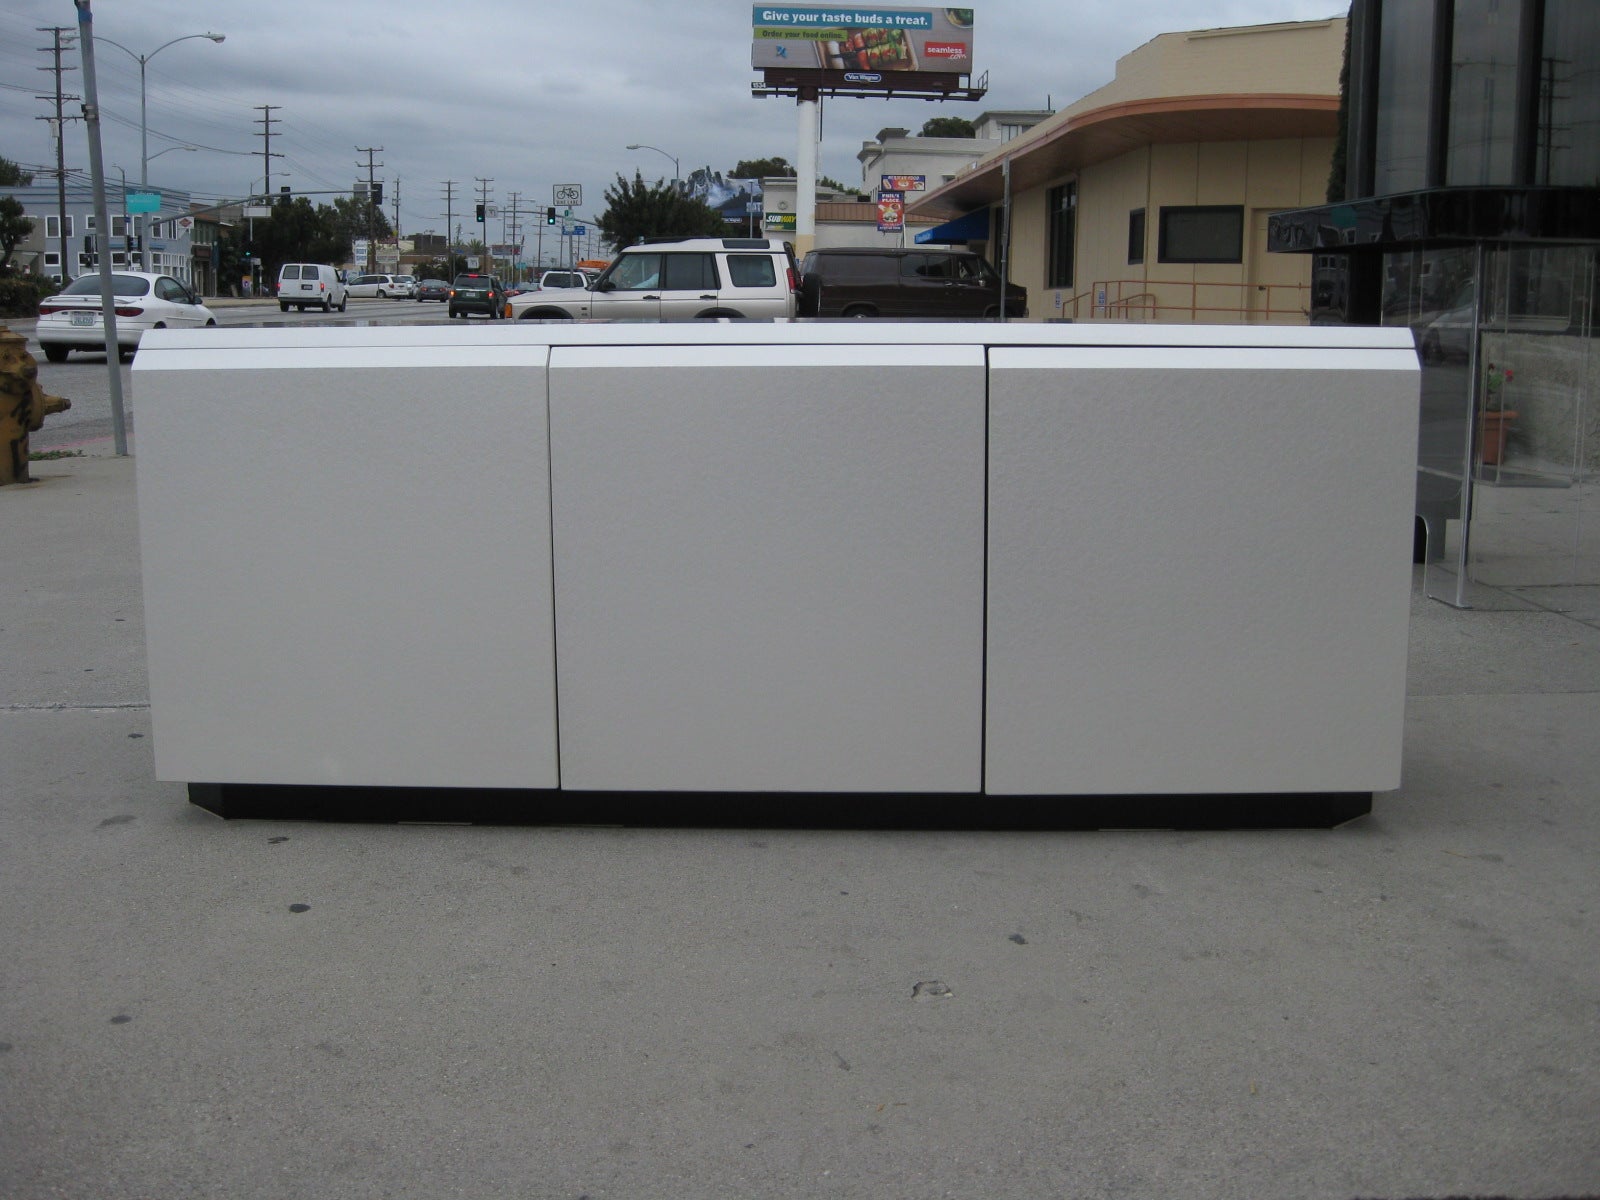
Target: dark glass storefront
<point x="1472" y="215"/>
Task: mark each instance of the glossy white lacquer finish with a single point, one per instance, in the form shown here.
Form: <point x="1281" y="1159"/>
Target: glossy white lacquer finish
<point x="346" y="565"/>
<point x="1198" y="569"/>
<point x="769" y="567"/>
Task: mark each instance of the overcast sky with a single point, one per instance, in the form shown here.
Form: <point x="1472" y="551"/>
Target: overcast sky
<point x="525" y="93"/>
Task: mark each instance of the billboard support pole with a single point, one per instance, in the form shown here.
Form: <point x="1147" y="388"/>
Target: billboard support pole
<point x="805" y="170"/>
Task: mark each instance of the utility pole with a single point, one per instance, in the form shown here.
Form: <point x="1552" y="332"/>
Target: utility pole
<point x="483" y="199"/>
<point x="267" y="121"/>
<point x="396" y="202"/>
<point x="516" y="198"/>
<point x="372" y="248"/>
<point x="102" y="229"/>
<point x="450" y="226"/>
<point x="62" y="36"/>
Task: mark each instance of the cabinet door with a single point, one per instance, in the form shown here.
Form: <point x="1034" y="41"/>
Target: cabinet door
<point x="1199" y="569"/>
<point x="337" y="589"/>
<point x="769" y="567"/>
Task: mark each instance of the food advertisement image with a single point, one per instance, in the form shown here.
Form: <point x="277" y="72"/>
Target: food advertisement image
<point x="872" y="40"/>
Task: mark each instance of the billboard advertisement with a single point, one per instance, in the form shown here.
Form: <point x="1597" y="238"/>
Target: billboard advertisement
<point x="871" y="44"/>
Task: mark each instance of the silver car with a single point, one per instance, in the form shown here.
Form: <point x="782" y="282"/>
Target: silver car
<point x="383" y="286"/>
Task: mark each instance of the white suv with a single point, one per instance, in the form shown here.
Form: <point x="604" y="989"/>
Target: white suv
<point x="678" y="279"/>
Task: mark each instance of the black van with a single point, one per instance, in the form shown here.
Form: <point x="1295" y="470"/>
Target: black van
<point x="920" y="281"/>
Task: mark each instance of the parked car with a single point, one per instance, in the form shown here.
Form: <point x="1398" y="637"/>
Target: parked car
<point x="678" y="279"/>
<point x="310" y="285"/>
<point x="433" y="289"/>
<point x="71" y="320"/>
<point x="909" y="282"/>
<point x="381" y="286"/>
<point x="477" y="293"/>
<point x="409" y="282"/>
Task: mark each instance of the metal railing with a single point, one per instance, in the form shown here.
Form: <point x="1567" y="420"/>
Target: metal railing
<point x="1183" y="300"/>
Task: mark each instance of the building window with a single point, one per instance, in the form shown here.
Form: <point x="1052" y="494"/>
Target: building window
<point x="1136" y="237"/>
<point x="52" y="227"/>
<point x="119" y="226"/>
<point x="1206" y="233"/>
<point x="1061" y="215"/>
<point x="1400" y="155"/>
<point x="1569" y="96"/>
<point x="1483" y="92"/>
<point x="52" y="260"/>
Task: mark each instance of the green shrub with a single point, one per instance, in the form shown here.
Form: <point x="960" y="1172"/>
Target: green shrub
<point x="20" y="295"/>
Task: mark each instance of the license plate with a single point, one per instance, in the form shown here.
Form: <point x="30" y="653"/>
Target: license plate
<point x="83" y="318"/>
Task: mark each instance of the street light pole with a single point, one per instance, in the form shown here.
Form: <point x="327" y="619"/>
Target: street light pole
<point x="676" y="173"/>
<point x="144" y="123"/>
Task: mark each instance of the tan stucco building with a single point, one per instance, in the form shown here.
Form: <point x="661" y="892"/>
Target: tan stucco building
<point x="1148" y="199"/>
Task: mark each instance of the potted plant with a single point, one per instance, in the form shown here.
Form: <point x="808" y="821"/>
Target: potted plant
<point x="1497" y="419"/>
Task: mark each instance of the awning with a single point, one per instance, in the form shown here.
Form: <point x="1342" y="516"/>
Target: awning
<point x="974" y="227"/>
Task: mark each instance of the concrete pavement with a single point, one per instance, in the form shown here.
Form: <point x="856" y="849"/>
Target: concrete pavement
<point x="1405" y="1006"/>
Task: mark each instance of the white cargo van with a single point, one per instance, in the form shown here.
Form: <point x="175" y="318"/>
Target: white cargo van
<point x="310" y="285"/>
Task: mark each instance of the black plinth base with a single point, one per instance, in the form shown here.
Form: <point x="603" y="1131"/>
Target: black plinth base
<point x="779" y="810"/>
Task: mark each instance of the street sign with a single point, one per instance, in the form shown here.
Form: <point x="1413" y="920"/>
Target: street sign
<point x="143" y="202"/>
<point x="580" y="231"/>
<point x="258" y="210"/>
<point x="567" y="193"/>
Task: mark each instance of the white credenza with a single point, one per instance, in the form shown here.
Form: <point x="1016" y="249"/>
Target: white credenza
<point x="779" y="558"/>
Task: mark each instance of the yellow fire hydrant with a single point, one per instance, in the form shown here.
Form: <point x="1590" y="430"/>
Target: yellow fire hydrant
<point x="23" y="405"/>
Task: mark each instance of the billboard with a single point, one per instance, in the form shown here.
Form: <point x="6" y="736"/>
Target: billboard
<point x="863" y="46"/>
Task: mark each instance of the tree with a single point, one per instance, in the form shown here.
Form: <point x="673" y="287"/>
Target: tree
<point x="951" y="127"/>
<point x="356" y="218"/>
<point x="761" y="168"/>
<point x="11" y="175"/>
<point x="824" y="182"/>
<point x="14" y="226"/>
<point x="638" y="209"/>
<point x="296" y="232"/>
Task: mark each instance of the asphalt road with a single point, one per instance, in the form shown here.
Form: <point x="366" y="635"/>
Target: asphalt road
<point x="84" y="379"/>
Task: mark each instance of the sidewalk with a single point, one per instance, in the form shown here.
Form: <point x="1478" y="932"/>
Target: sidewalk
<point x="1405" y="1006"/>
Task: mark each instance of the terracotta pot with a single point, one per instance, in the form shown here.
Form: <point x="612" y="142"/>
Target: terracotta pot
<point x="1492" y="436"/>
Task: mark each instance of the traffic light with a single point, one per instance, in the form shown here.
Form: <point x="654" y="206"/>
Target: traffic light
<point x="480" y="214"/>
<point x="377" y="192"/>
<point x="549" y="216"/>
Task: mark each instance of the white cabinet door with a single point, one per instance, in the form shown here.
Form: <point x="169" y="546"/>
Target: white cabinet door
<point x="338" y="588"/>
<point x="769" y="567"/>
<point x="1199" y="569"/>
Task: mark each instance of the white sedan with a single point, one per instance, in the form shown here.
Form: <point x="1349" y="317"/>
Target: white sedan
<point x="70" y="320"/>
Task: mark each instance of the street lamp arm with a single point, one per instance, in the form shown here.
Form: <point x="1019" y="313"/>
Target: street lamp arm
<point x="120" y="46"/>
<point x="676" y="172"/>
<point x="141" y="59"/>
<point x="215" y="37"/>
